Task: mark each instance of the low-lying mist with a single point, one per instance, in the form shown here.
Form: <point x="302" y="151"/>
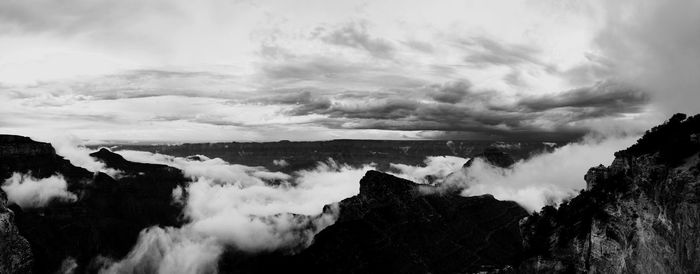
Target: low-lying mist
<point x="545" y="179"/>
<point x="252" y="209"/>
<point x="29" y="192"/>
<point x="246" y="208"/>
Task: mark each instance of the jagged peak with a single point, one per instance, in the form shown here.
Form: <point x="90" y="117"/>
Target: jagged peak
<point x="105" y="154"/>
<point x="378" y="185"/>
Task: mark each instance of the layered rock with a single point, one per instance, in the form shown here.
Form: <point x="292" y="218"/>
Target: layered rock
<point x="639" y="215"/>
<point x="16" y="255"/>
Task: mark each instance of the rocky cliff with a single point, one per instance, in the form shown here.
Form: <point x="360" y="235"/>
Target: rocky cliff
<point x="639" y="215"/>
<point x="16" y="255"/>
<point x="392" y="226"/>
<point x="104" y="221"/>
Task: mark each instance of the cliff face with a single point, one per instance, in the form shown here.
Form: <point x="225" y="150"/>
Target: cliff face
<point x="21" y="154"/>
<point x="16" y="254"/>
<point x="104" y="221"/>
<point x="639" y="215"/>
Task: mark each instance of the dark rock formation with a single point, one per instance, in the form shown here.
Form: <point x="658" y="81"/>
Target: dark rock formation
<point x="640" y="215"/>
<point x="15" y="254"/>
<point x="393" y="226"/>
<point x="493" y="156"/>
<point x="108" y="215"/>
<point x="23" y="155"/>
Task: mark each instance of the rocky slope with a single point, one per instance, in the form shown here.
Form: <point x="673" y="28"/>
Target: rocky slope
<point x="639" y="215"/>
<point x="392" y="226"/>
<point x="104" y="221"/>
<point x="16" y="255"/>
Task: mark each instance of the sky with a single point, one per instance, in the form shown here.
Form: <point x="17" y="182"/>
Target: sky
<point x="222" y="70"/>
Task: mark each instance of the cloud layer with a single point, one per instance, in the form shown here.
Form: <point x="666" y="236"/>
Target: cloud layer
<point x="233" y="206"/>
<point x="29" y="192"/>
<point x="435" y="169"/>
<point x="249" y="71"/>
<point x="654" y="44"/>
<point x="545" y="179"/>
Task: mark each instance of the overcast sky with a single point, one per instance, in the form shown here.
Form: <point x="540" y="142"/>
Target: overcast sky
<point x="186" y="71"/>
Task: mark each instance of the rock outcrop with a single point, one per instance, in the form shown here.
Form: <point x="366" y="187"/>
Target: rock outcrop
<point x="394" y="227"/>
<point x="639" y="215"/>
<point x="106" y="219"/>
<point x="16" y="254"/>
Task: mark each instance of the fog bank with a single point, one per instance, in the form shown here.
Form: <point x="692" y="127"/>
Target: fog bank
<point x="29" y="192"/>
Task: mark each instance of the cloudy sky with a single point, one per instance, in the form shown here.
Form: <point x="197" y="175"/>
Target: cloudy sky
<point x="180" y="71"/>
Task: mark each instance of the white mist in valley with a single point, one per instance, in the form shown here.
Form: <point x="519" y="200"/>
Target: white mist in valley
<point x="434" y="169"/>
<point x="74" y="150"/>
<point x="247" y="208"/>
<point x="252" y="209"/>
<point x="29" y="192"/>
<point x="548" y="178"/>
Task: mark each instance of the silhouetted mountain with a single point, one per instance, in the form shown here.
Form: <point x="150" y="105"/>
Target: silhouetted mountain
<point x="394" y="226"/>
<point x="15" y="255"/>
<point x="108" y="215"/>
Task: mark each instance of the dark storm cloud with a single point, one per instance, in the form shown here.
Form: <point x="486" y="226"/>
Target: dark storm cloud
<point x="452" y="92"/>
<point x="304" y="101"/>
<point x="453" y="107"/>
<point x="355" y="35"/>
<point x="604" y="99"/>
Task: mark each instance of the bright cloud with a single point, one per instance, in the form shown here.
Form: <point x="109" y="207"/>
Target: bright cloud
<point x="541" y="180"/>
<point x="29" y="192"/>
<point x="248" y="208"/>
